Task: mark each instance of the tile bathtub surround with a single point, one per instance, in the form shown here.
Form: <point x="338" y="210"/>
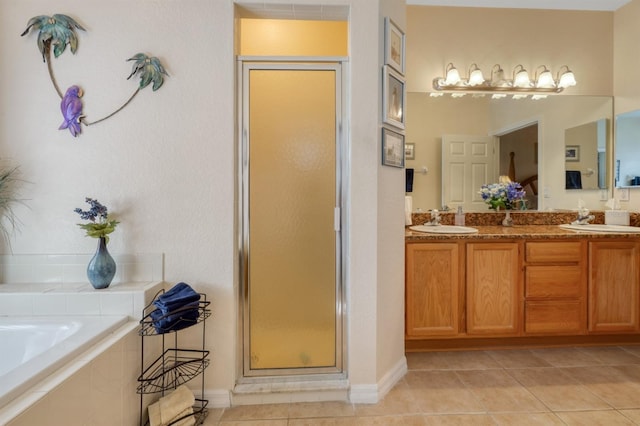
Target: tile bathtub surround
<point x="556" y="386"/>
<point x="72" y="268"/>
<point x="99" y="388"/>
<point x="50" y="284"/>
<point x="76" y="299"/>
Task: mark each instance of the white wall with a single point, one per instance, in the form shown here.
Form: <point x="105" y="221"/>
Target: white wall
<point x="628" y="130"/>
<point x="487" y="36"/>
<point x="391" y="363"/>
<point x="626" y="63"/>
<point x="166" y="164"/>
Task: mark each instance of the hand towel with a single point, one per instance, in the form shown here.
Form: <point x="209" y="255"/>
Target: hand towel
<point x="573" y="179"/>
<point x="176" y="320"/>
<point x="154" y="414"/>
<point x="177" y="296"/>
<point x="175" y="403"/>
<point x="155" y="418"/>
<point x="408" y="180"/>
<point x="187" y="421"/>
<point x="408" y="207"/>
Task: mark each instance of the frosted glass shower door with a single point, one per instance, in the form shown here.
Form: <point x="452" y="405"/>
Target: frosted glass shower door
<point x="291" y="233"/>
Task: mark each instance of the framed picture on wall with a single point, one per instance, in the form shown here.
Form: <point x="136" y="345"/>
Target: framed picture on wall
<point x="572" y="153"/>
<point x="392" y="148"/>
<point x="393" y="97"/>
<point x="393" y="46"/>
<point x="409" y="151"/>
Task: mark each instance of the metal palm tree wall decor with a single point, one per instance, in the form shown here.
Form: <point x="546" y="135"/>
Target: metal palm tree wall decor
<point x="59" y="31"/>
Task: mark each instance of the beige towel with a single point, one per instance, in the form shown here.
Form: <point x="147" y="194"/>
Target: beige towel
<point x="173" y="406"/>
<point x="175" y="403"/>
<point x="155" y="419"/>
<point x="154" y="414"/>
<point x="187" y="421"/>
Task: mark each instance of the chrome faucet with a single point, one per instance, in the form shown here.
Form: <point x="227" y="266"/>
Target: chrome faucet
<point x="583" y="216"/>
<point x="435" y="218"/>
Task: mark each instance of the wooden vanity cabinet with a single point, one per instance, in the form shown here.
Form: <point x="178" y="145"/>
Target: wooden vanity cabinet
<point x="555" y="287"/>
<point x="547" y="291"/>
<point x="493" y="289"/>
<point x="433" y="289"/>
<point x="614" y="279"/>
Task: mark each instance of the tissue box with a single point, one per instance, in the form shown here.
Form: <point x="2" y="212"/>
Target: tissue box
<point x="616" y="217"/>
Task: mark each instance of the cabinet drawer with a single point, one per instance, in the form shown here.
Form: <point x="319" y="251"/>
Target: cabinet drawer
<point x="553" y="281"/>
<point x="562" y="317"/>
<point x="553" y="252"/>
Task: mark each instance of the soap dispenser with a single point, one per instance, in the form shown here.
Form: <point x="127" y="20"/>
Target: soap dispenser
<point x="459" y="219"/>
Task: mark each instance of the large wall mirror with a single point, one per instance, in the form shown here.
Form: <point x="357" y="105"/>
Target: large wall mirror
<point x="527" y="138"/>
<point x="627" y="164"/>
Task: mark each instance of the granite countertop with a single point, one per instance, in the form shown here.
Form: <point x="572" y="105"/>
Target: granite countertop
<point x="527" y="224"/>
<point x="495" y="232"/>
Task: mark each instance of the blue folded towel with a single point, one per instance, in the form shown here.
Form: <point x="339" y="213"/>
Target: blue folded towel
<point x="177" y="320"/>
<point x="176" y="297"/>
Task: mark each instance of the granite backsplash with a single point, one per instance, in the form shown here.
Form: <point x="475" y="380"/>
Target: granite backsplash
<point x="520" y="217"/>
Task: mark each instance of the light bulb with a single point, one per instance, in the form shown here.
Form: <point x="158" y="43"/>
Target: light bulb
<point x="546" y="80"/>
<point x="521" y="78"/>
<point x="475" y="76"/>
<point x="567" y="79"/>
<point x="453" y="76"/>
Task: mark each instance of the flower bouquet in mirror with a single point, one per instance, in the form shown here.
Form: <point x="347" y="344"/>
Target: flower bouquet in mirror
<point x="502" y="195"/>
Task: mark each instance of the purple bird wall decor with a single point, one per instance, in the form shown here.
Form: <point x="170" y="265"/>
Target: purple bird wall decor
<point x="71" y="107"/>
<point x="57" y="32"/>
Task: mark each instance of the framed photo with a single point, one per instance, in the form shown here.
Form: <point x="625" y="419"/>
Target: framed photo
<point x="393" y="97"/>
<point x="392" y="148"/>
<point x="393" y="46"/>
<point x="410" y="151"/>
<point x="572" y="153"/>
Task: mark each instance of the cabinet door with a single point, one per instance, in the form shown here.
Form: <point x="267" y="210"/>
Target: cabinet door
<point x="494" y="290"/>
<point x="613" y="286"/>
<point x="432" y="289"/>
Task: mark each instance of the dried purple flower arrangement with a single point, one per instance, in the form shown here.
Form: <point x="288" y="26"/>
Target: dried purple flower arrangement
<point x="100" y="225"/>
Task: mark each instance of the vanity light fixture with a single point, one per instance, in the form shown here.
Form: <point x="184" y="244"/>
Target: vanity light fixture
<point x="520" y="84"/>
<point x="497" y="77"/>
<point x="566" y="79"/>
<point x="521" y="77"/>
<point x="475" y="76"/>
<point x="452" y="75"/>
<point x="545" y="79"/>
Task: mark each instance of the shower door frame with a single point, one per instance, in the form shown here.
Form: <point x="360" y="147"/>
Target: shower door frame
<point x="244" y="65"/>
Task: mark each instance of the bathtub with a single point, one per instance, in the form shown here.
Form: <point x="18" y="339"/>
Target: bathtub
<point x="33" y="347"/>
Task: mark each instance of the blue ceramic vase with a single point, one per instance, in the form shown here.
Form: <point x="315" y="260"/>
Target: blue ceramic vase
<point x="102" y="267"/>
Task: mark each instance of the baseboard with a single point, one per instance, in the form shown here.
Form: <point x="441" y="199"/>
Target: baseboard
<point x="275" y="392"/>
<point x="372" y="394"/>
<point x="218" y="398"/>
<point x="305" y="392"/>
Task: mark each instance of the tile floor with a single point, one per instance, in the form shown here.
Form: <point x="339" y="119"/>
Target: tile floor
<point x="562" y="386"/>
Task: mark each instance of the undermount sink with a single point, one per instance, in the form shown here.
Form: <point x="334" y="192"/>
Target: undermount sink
<point x="594" y="227"/>
<point x="444" y="229"/>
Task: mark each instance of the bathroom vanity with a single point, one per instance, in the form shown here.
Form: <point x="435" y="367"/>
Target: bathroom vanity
<point x="526" y="285"/>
